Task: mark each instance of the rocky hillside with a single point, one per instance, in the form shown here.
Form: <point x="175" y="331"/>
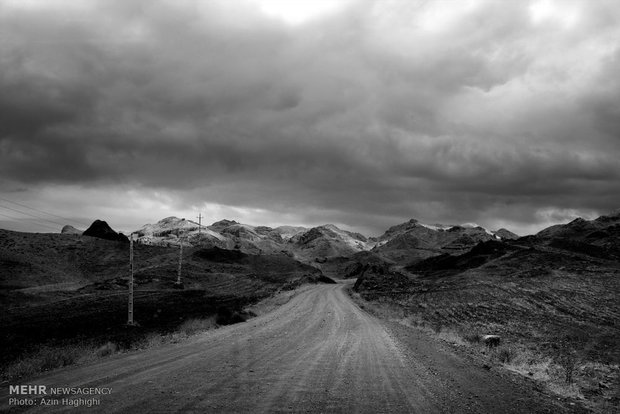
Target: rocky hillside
<point x="401" y="244"/>
<point x="413" y="241"/>
<point x="173" y="231"/>
<point x="599" y="237"/>
<point x="405" y="244"/>
<point x="33" y="263"/>
<point x="101" y="230"/>
<point x="545" y="295"/>
<point x="322" y="242"/>
<point x="299" y="242"/>
<point x="225" y="234"/>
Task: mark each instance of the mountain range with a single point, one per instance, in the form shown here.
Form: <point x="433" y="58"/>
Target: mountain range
<point x="400" y="244"/>
<point x="403" y="245"/>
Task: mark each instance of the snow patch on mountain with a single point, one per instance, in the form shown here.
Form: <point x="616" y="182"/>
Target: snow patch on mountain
<point x="172" y="229"/>
<point x="436" y="227"/>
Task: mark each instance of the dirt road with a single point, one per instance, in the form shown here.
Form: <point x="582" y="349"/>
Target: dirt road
<point x="317" y="353"/>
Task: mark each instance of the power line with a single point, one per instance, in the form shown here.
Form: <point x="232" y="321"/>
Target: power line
<point x="31" y="215"/>
<point x="44" y="212"/>
<point x="38" y="224"/>
<point x="34" y="219"/>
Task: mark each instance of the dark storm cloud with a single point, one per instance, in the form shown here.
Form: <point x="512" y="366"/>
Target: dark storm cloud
<point x="380" y="111"/>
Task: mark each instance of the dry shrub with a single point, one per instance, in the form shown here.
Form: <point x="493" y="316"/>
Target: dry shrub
<point x="530" y="364"/>
<point x="473" y="338"/>
<point x="566" y="390"/>
<point x="107" y="349"/>
<point x="505" y="354"/>
<point x="148" y="341"/>
<point x="436" y="326"/>
<point x="23" y="368"/>
<point x="152" y="340"/>
<point x="386" y="310"/>
<point x="567" y="359"/>
<point x="413" y="320"/>
<point x="546" y="370"/>
<point x="52" y="357"/>
<point x="451" y="336"/>
<point x="192" y="326"/>
<point x="226" y="316"/>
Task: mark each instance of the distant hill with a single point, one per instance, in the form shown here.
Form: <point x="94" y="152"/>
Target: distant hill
<point x="171" y="231"/>
<point x="101" y="230"/>
<point x="287" y="232"/>
<point x="251" y="239"/>
<point x="402" y="244"/>
<point x="505" y="234"/>
<point x="70" y="230"/>
<point x="225" y="234"/>
<point x="35" y="262"/>
<point x="565" y="245"/>
<point x="30" y="260"/>
<point x="327" y="241"/>
<point x="299" y="242"/>
<point x="599" y="237"/>
<point x="413" y="241"/>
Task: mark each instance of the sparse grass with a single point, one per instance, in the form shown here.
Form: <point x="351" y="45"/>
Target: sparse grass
<point x="451" y="336"/>
<point x="194" y="325"/>
<point x="51" y="358"/>
<point x="505" y="354"/>
<point x="226" y="316"/>
<point x="48" y="358"/>
<point x="74" y="351"/>
<point x="558" y="368"/>
<point x="527" y="363"/>
<point x="472" y="338"/>
<point x="436" y="326"/>
<point x="382" y="309"/>
<point x="108" y="348"/>
<point x="566" y="390"/>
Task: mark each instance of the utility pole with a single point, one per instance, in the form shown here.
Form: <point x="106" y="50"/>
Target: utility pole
<point x="199" y="221"/>
<point x="178" y="284"/>
<point x="130" y="321"/>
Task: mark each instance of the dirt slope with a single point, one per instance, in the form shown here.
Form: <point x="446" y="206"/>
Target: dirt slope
<point x="317" y="353"/>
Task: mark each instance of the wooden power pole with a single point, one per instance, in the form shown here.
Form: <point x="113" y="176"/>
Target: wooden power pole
<point x="199" y="224"/>
<point x="130" y="320"/>
<point x="178" y="284"/>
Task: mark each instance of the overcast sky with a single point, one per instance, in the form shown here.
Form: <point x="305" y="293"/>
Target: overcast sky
<point x="359" y="113"/>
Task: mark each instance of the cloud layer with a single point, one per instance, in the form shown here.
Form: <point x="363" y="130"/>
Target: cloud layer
<point x="503" y="113"/>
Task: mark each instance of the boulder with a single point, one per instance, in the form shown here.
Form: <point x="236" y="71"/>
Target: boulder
<point x="491" y="341"/>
